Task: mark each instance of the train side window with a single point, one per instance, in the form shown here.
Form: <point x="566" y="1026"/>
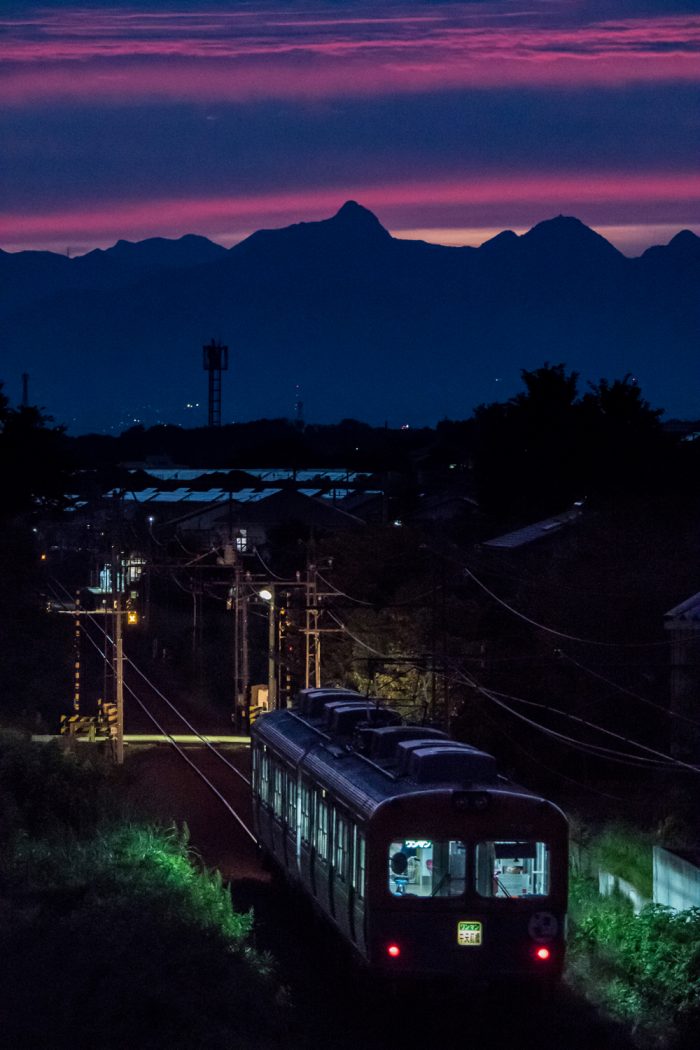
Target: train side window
<point x="341" y="847"/>
<point x="265" y="778"/>
<point x="322" y="828"/>
<point x="291" y="801"/>
<point x="427" y="868"/>
<point x="360" y="864"/>
<point x="306" y="822"/>
<point x="513" y="869"/>
<point x="277" y="782"/>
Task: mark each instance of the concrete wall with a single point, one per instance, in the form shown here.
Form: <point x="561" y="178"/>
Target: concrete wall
<point x="676" y="880"/>
<point x="609" y="884"/>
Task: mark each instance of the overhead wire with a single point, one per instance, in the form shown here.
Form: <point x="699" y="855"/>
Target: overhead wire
<point x="630" y="692"/>
<point x="551" y="630"/>
<point x="185" y="756"/>
<point x="157" y="691"/>
<point x="493" y="696"/>
<point x="179" y="714"/>
<point x="555" y="772"/>
<point x="365" y="645"/>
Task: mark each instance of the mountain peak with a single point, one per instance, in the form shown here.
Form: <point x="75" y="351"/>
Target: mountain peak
<point x="567" y="232"/>
<point x="353" y="217"/>
<point x="685" y="241"/>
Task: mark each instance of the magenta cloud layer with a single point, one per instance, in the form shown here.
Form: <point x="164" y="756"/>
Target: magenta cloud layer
<point x="260" y="77"/>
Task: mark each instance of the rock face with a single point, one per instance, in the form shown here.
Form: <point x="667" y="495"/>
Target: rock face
<point x="369" y="326"/>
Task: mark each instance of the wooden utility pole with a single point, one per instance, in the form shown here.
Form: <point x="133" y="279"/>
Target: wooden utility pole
<point x="119" y="676"/>
<point x="272" y="654"/>
<point x="312" y="661"/>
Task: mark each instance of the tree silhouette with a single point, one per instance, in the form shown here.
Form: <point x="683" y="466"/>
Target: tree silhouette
<point x="547" y="446"/>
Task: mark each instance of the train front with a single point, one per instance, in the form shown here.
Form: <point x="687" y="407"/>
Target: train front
<point x="467" y="885"/>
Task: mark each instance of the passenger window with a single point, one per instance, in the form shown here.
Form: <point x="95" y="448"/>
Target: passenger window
<point x="427" y="868"/>
<point x="360" y="864"/>
<point x="322" y="829"/>
<point x="306" y="798"/>
<point x="512" y="869"/>
<point x="291" y="801"/>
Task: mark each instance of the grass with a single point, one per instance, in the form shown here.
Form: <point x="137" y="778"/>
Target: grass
<point x="643" y="970"/>
<point x="112" y="934"/>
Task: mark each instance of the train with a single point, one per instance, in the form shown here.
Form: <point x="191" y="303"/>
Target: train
<point x="426" y="861"/>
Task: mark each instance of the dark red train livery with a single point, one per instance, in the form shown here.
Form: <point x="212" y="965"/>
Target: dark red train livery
<point x="425" y="859"/>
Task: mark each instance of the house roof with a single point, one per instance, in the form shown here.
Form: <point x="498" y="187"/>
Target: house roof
<point x="687" y="613"/>
<point x="537" y="531"/>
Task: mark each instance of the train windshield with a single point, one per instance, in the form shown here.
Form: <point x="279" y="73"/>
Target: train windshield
<point x="512" y="869"/>
<point x="427" y="868"/>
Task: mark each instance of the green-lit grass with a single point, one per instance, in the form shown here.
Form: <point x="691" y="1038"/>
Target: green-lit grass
<point x="642" y="969"/>
<point x="112" y="935"/>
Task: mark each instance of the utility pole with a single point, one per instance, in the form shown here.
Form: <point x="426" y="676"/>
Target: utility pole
<point x="119" y="676"/>
<point x="117" y="611"/>
<point x="312" y="661"/>
<point x="272" y="656"/>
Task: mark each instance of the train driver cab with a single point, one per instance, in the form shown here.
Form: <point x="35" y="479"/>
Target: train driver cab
<point x="434" y="868"/>
<point x="427" y="868"/>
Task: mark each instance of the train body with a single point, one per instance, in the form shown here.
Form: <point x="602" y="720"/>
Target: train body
<point x="427" y="862"/>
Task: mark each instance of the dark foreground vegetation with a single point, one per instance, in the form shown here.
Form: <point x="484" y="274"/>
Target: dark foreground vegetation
<point x="111" y="933"/>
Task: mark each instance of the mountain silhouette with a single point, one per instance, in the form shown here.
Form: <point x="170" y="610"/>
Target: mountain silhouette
<point x="370" y="326"/>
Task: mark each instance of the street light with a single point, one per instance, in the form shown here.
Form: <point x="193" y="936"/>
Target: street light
<point x="266" y="595"/>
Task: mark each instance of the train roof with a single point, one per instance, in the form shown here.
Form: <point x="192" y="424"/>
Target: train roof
<point x="358" y="750"/>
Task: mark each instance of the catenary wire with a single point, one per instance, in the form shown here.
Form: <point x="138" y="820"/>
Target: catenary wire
<point x="158" y="692"/>
<point x="630" y="692"/>
<point x="552" y="630"/>
<point x="490" y="695"/>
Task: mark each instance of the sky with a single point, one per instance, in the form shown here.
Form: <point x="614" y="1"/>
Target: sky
<point x="451" y="121"/>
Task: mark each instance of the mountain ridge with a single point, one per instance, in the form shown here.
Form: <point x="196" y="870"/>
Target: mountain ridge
<point x="370" y="325"/>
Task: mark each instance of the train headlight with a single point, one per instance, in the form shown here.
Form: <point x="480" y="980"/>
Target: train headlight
<point x="543" y="954"/>
<point x="393" y="951"/>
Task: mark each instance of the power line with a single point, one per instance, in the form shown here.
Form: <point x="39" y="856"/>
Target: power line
<point x="493" y="696"/>
<point x="630" y="692"/>
<point x="555" y="772"/>
<point x="155" y="689"/>
<point x="552" y="630"/>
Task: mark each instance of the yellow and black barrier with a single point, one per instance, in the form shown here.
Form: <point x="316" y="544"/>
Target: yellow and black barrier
<point x="79" y="725"/>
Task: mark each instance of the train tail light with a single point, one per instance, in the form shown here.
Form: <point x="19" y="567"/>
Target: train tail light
<point x="543" y="954"/>
<point x="393" y="951"/>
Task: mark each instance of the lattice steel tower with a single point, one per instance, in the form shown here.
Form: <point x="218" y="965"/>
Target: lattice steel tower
<point x="215" y="362"/>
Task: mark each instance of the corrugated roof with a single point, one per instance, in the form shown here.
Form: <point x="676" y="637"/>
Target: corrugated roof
<point x="539" y="530"/>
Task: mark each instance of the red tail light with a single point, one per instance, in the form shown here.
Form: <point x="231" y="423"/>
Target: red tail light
<point x="543" y="954"/>
<point x="394" y="951"/>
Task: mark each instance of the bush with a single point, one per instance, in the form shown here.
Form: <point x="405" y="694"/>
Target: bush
<point x="116" y="937"/>
<point x="644" y="968"/>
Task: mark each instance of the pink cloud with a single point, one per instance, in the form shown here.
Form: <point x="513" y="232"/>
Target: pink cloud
<point x="117" y="56"/>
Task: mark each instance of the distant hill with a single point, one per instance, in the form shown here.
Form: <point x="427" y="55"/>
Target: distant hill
<point x="371" y="327"/>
